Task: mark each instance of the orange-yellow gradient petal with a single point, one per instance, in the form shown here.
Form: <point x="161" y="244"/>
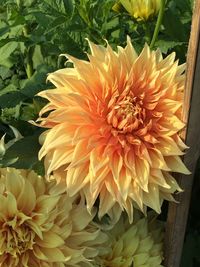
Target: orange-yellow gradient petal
<point x="113" y="124"/>
<point x="41" y="226"/>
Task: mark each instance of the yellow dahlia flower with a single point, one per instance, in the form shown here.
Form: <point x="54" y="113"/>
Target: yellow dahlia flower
<point x="42" y="227"/>
<point x="141" y="9"/>
<point x="134" y="244"/>
<point x="113" y="127"/>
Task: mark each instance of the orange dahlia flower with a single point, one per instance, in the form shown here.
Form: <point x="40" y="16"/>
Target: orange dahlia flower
<point x="41" y="226"/>
<point x="113" y="127"/>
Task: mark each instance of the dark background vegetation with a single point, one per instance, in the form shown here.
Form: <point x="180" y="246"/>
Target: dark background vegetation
<point x="34" y="33"/>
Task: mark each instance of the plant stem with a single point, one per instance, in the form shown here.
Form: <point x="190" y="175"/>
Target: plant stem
<point x="29" y="66"/>
<point x="158" y="23"/>
<point x="29" y="54"/>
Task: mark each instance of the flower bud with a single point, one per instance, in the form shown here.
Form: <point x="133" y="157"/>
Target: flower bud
<point x="141" y="10"/>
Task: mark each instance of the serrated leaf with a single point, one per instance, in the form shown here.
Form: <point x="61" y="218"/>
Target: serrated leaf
<point x="112" y="24"/>
<point x="69" y="7"/>
<point x="55" y="7"/>
<point x="55" y="23"/>
<point x="70" y="46"/>
<point x="165" y="45"/>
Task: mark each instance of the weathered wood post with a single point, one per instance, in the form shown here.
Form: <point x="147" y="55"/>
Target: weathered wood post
<point x="178" y="212"/>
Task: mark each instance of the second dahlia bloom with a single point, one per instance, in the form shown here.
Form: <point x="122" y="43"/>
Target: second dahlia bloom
<point x="113" y="127"/>
<point x="139" y="244"/>
<point x="42" y="227"/>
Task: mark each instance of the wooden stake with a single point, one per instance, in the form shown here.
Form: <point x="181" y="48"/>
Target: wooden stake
<point x="178" y="212"/>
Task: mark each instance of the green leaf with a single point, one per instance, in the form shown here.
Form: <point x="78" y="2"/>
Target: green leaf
<point x="29" y="111"/>
<point x="4" y="30"/>
<point x="10" y="114"/>
<point x="112" y="24"/>
<point x="37" y="82"/>
<point x="5" y="72"/>
<point x="55" y="23"/>
<point x="7" y="50"/>
<point x="166" y="45"/>
<point x="185" y="5"/>
<point x="174" y="27"/>
<point x="50" y="49"/>
<point x="37" y="57"/>
<point x="69" y="7"/>
<point x="23" y="154"/>
<point x="55" y="7"/>
<point x="42" y="19"/>
<point x="11" y="99"/>
<point x="12" y="40"/>
<point x="38" y="167"/>
<point x="8" y="89"/>
<point x="70" y="46"/>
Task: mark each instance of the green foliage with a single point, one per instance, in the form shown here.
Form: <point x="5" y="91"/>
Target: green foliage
<point x="23" y="154"/>
<point x="34" y="33"/>
<point x="176" y="27"/>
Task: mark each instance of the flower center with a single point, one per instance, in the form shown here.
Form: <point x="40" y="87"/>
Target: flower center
<point x="16" y="238"/>
<point x="127" y="114"/>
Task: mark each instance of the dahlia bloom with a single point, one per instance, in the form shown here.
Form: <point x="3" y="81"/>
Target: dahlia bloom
<point x="141" y="9"/>
<point x="139" y="244"/>
<point x="113" y="127"/>
<point x="42" y="227"/>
